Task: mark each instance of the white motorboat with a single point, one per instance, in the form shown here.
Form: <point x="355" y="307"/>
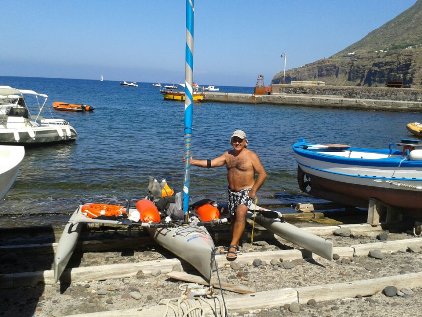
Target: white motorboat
<point x="129" y="83"/>
<point x="352" y="176"/>
<point x="10" y="159"/>
<point x="156" y="85"/>
<point x="19" y="127"/>
<point x="211" y="88"/>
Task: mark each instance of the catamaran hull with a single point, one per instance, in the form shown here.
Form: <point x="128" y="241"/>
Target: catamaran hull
<point x="37" y="135"/>
<point x="190" y="243"/>
<point x="67" y="244"/>
<point x="386" y="175"/>
<point x="304" y="239"/>
<point x="10" y="159"/>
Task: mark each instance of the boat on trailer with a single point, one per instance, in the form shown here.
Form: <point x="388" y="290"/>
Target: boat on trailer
<point x="353" y="176"/>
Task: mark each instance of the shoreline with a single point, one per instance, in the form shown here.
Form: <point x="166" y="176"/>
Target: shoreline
<point x="316" y="101"/>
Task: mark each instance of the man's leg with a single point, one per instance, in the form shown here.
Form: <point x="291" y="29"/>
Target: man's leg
<point x="238" y="226"/>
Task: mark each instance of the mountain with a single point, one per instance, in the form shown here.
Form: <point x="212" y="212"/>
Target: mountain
<point x="390" y="53"/>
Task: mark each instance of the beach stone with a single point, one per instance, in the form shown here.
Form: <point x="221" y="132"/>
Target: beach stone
<point x="311" y="302"/>
<point x="235" y="265"/>
<point x="140" y="275"/>
<point x="135" y="295"/>
<point x="150" y="297"/>
<point x="109" y="301"/>
<point x="376" y="254"/>
<point x="336" y="256"/>
<point x="257" y="262"/>
<point x="287" y="265"/>
<point x="274" y="262"/>
<point x="407" y="291"/>
<point x="294" y="307"/>
<point x="390" y="291"/>
<point x="383" y="236"/>
<point x="102" y="292"/>
<point x="413" y="249"/>
<point x="155" y="272"/>
<point x="342" y="232"/>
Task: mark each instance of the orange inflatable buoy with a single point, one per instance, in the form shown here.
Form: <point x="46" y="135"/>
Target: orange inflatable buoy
<point x="93" y="210"/>
<point x="208" y="212"/>
<point x="148" y="211"/>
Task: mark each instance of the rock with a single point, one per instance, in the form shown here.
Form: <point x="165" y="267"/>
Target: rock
<point x="383" y="236"/>
<point x="287" y="265"/>
<point x="343" y="232"/>
<point x="274" y="262"/>
<point x="135" y="295"/>
<point x="235" y="265"/>
<point x="155" y="272"/>
<point x="140" y="275"/>
<point x="102" y="292"/>
<point x="336" y="256"/>
<point x="390" y="291"/>
<point x="376" y="254"/>
<point x="109" y="301"/>
<point x="406" y="291"/>
<point x="413" y="249"/>
<point x="294" y="307"/>
<point x="257" y="262"/>
<point x="312" y="302"/>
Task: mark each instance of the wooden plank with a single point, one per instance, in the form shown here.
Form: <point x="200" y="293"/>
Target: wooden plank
<point x="182" y="276"/>
<point x="360" y="287"/>
<point x="386" y="246"/>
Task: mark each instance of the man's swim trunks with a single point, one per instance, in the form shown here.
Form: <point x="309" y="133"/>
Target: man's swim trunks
<point x="238" y="198"/>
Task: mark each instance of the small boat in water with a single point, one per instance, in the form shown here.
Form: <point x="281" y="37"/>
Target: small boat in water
<point x="180" y="96"/>
<point x="10" y="159"/>
<point x="415" y="128"/>
<point x="129" y="83"/>
<point x="19" y="127"/>
<point x="352" y="176"/>
<point x="75" y="107"/>
<point x="156" y="85"/>
<point x="211" y="88"/>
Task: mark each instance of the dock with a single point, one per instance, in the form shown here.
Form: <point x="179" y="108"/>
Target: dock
<point x="316" y="101"/>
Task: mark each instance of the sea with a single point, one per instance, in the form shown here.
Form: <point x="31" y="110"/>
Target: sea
<point x="133" y="134"/>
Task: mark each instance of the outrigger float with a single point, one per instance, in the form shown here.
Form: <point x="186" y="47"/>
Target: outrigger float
<point x="178" y="232"/>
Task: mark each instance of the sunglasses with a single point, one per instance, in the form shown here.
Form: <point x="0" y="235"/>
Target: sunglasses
<point x="237" y="140"/>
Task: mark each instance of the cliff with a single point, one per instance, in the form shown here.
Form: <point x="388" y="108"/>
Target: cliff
<point x="390" y="53"/>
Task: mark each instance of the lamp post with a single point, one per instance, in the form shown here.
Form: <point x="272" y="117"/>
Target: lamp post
<point x="284" y="56"/>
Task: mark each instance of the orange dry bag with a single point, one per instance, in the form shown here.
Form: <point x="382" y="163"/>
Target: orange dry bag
<point x="148" y="211"/>
<point x="92" y="210"/>
<point x="208" y="212"/>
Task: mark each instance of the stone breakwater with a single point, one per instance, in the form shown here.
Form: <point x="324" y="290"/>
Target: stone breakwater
<point x="378" y="99"/>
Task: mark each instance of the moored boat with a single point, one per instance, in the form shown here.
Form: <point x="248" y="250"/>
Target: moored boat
<point x="415" y="128"/>
<point x="19" y="127"/>
<point x="352" y="176"/>
<point x="211" y="88"/>
<point x="10" y="159"/>
<point x="180" y="96"/>
<point x="75" y="107"/>
<point x="129" y="84"/>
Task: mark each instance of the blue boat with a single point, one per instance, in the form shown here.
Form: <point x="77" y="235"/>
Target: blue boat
<point x="351" y="176"/>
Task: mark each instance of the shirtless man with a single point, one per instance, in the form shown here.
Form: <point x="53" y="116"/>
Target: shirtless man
<point x="242" y="166"/>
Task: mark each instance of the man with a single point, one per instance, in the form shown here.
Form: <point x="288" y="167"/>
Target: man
<point x="245" y="175"/>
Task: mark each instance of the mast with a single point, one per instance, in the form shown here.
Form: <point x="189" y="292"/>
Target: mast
<point x="188" y="101"/>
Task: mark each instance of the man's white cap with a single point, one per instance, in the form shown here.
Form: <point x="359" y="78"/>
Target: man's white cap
<point x="240" y="134"/>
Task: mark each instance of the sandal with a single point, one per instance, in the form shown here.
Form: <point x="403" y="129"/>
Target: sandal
<point x="232" y="255"/>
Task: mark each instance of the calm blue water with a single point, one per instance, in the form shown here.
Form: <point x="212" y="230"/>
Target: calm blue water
<point x="134" y="133"/>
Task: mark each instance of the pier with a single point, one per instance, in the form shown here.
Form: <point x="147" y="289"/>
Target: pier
<point x="320" y="100"/>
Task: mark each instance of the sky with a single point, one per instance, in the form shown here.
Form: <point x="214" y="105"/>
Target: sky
<point x="144" y="41"/>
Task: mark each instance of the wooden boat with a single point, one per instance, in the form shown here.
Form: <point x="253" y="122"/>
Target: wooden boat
<point x="180" y="96"/>
<point x="10" y="159"/>
<point x="351" y="176"/>
<point x="75" y="107"/>
<point x="289" y="232"/>
<point x="415" y="128"/>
